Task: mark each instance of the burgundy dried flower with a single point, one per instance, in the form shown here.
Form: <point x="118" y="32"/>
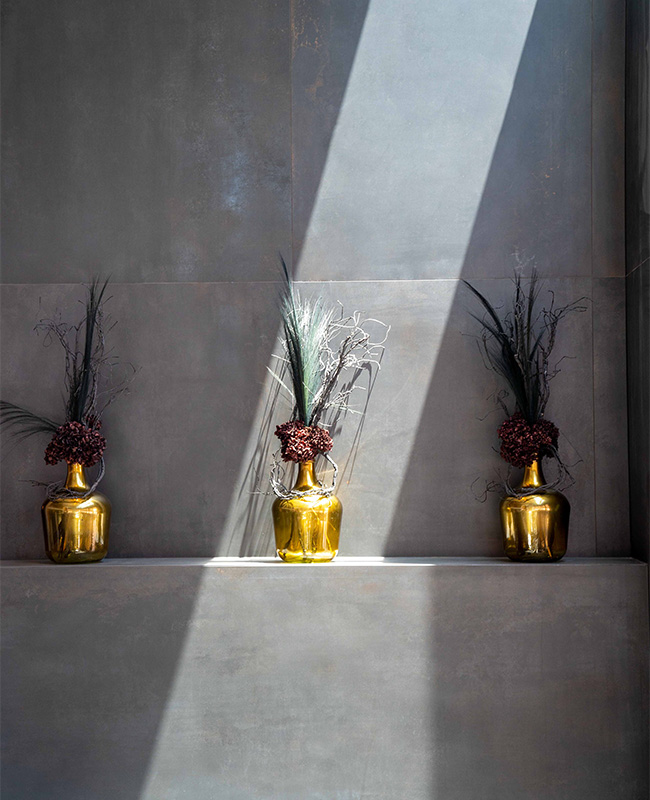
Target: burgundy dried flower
<point x="76" y="443"/>
<point x="300" y="442"/>
<point x="321" y="439"/>
<point x="547" y="436"/>
<point x="521" y="443"/>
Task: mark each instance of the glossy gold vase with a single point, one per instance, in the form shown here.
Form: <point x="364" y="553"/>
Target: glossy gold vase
<point x="535" y="526"/>
<point x="76" y="528"/>
<point x="307" y="528"/>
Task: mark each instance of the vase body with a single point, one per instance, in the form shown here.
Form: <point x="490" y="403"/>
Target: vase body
<point x="76" y="529"/>
<point x="535" y="526"/>
<point x="307" y="528"/>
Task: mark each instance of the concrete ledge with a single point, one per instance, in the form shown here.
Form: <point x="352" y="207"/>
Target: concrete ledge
<point x="250" y="679"/>
<point x="340" y="561"/>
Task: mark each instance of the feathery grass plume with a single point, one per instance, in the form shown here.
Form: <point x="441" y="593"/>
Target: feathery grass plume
<point x="23" y="423"/>
<point x="517" y="345"/>
<point x="305" y="326"/>
<point x="319" y="346"/>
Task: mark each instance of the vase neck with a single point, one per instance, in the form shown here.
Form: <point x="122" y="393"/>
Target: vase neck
<point x="76" y="478"/>
<point x="533" y="476"/>
<point x="306" y="478"/>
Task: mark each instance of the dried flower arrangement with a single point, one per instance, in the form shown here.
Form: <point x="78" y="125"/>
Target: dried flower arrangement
<point x="87" y="361"/>
<point x="517" y="345"/>
<point x="319" y="347"/>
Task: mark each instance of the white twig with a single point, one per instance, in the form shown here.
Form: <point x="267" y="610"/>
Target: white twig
<point x="282" y="491"/>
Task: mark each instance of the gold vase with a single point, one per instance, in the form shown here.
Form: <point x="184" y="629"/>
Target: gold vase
<point x="535" y="526"/>
<point x="76" y="528"/>
<point x="307" y="528"/>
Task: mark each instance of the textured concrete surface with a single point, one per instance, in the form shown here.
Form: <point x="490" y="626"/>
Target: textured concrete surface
<point x="638" y="332"/>
<point x="179" y="146"/>
<point x="151" y="141"/>
<point x="610" y="426"/>
<point x="608" y="138"/>
<point x="184" y="461"/>
<point x="464" y="135"/>
<point x="637" y="138"/>
<point x="477" y="681"/>
<point x="638" y="269"/>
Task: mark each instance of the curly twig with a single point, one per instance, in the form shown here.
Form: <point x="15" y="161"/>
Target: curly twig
<point x="58" y="489"/>
<point x="282" y="491"/>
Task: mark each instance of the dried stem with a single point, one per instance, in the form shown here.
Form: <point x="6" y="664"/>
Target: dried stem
<point x="277" y="477"/>
<point x="517" y="346"/>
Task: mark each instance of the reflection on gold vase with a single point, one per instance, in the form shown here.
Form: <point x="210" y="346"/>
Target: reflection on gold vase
<point x="535" y="526"/>
<point x="307" y="528"/>
<point x="76" y="528"/>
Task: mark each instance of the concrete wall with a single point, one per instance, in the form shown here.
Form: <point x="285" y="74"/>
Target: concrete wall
<point x="389" y="148"/>
<point x="474" y="680"/>
<point x="638" y="270"/>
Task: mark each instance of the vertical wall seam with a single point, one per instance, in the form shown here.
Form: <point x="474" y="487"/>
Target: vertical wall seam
<point x="593" y="306"/>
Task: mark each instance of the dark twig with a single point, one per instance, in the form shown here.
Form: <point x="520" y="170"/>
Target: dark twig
<point x="518" y="346"/>
<point x="88" y="392"/>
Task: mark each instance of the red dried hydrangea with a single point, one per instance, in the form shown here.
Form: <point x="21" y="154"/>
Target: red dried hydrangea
<point x="76" y="443"/>
<point x="300" y="442"/>
<point x="521" y="443"/>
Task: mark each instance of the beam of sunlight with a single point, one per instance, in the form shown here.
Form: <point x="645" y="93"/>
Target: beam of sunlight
<point x="413" y="143"/>
<point x="402" y="183"/>
<point x="401" y="188"/>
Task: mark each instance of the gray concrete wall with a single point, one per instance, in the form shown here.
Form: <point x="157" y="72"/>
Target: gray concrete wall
<point x="387" y="149"/>
<point x="466" y="680"/>
<point x="638" y="270"/>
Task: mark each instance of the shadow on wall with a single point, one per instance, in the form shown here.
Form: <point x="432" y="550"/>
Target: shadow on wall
<point x="80" y="713"/>
<point x="248" y="526"/>
<point x="172" y="465"/>
<point x="536" y="202"/>
<point x="100" y="741"/>
<point x="637" y="221"/>
<point x="637" y="154"/>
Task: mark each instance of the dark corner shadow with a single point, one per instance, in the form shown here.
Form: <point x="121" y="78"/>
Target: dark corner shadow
<point x="510" y="217"/>
<point x="637" y="241"/>
<point x="637" y="151"/>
